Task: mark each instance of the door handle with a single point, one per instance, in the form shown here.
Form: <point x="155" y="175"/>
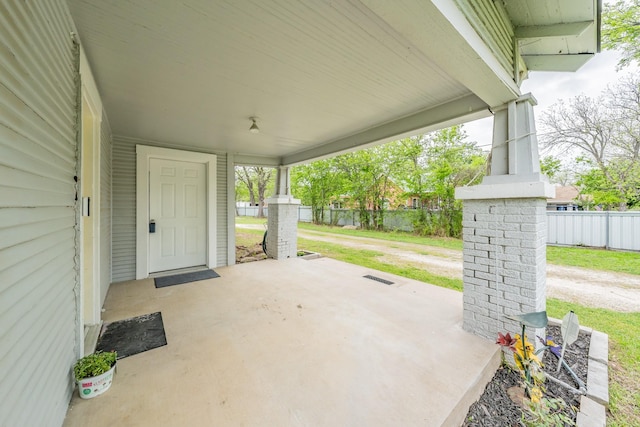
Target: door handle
<point x="152" y="226"/>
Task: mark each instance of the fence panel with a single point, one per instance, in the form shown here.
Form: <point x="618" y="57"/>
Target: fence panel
<point x="624" y="230"/>
<point x="615" y="230"/>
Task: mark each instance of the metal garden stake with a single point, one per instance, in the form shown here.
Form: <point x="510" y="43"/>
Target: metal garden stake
<point x="570" y="329"/>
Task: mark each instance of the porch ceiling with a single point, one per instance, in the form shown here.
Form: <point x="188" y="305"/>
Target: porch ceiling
<point x="322" y="77"/>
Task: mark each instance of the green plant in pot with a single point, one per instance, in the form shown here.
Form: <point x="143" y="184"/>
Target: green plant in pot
<point x="94" y="373"/>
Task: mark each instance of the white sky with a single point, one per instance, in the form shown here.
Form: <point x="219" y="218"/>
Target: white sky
<point x="548" y="88"/>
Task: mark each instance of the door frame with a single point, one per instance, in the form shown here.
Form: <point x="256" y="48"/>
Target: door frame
<point x="144" y="153"/>
<point x="93" y="116"/>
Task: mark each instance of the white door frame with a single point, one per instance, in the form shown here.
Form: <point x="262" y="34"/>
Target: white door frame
<point x="90" y="98"/>
<point x="143" y="155"/>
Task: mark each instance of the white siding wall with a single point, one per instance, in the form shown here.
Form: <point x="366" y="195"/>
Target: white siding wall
<point x="124" y="206"/>
<point x="492" y="23"/>
<point x="124" y="211"/>
<point x="222" y="210"/>
<point x="38" y="270"/>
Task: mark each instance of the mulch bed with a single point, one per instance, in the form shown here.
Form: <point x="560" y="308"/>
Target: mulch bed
<point x="495" y="407"/>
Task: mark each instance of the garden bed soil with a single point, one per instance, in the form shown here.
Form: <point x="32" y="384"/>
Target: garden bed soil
<point x="249" y="253"/>
<point x="496" y="408"/>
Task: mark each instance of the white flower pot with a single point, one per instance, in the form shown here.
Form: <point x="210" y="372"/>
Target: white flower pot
<point x="95" y="386"/>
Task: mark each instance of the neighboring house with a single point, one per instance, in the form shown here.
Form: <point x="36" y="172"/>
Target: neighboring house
<point x="417" y="201"/>
<point x="394" y="199"/>
<point x="118" y="115"/>
<point x="566" y="199"/>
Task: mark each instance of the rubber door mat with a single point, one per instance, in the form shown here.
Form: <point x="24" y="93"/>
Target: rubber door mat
<point x="179" y="279"/>
<point x="133" y="336"/>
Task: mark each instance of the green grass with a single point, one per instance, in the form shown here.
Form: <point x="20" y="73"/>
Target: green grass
<point x="250" y="220"/>
<point x="595" y="259"/>
<point x="248" y="237"/>
<point x="369" y="259"/>
<point x="394" y="236"/>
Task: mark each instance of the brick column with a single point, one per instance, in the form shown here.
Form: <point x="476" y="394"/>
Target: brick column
<point x="282" y="220"/>
<point x="504" y="263"/>
<point x="282" y="226"/>
<point x="504" y="228"/>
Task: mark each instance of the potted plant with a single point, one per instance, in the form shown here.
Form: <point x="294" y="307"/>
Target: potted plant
<point x="94" y="373"/>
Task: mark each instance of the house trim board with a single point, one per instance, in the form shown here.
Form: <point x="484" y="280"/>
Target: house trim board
<point x="143" y="155"/>
<point x="89" y="97"/>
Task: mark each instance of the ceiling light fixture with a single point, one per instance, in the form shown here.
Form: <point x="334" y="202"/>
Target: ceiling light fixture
<point x="254" y="127"/>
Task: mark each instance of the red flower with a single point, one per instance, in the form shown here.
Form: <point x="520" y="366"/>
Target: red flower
<point x="505" y="340"/>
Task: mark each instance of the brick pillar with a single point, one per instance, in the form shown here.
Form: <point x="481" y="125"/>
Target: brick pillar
<point x="504" y="263"/>
<point x="282" y="220"/>
<point x="282" y="223"/>
<point x="504" y="228"/>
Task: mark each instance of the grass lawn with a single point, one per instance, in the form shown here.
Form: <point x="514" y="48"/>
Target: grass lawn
<point x="595" y="259"/>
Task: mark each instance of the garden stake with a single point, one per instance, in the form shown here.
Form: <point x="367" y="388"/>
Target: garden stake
<point x="570" y="329"/>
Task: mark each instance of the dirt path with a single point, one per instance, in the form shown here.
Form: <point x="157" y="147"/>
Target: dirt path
<point x="592" y="288"/>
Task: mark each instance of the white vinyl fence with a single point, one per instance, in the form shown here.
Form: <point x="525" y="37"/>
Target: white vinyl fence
<point x="613" y="230"/>
<point x="304" y="212"/>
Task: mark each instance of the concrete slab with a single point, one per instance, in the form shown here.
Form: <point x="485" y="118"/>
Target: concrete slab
<point x="295" y="343"/>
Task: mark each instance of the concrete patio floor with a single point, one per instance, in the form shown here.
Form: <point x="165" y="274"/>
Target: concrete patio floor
<point x="294" y="343"/>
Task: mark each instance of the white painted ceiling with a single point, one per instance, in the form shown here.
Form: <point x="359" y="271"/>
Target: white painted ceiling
<point x="321" y="76"/>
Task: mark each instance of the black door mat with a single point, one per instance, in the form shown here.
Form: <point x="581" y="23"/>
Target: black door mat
<point x="133" y="336"/>
<point x="179" y="279"/>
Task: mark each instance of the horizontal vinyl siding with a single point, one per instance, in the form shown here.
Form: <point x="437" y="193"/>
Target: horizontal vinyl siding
<point x="38" y="271"/>
<point x="491" y="22"/>
<point x="124" y="207"/>
<point x="221" y="211"/>
<point x="124" y="211"/>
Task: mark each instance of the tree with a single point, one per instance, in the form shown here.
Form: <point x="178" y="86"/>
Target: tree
<point x="621" y="30"/>
<point x="316" y="184"/>
<point x="451" y="162"/>
<point x="550" y="166"/>
<point x="600" y="191"/>
<point x="605" y="129"/>
<point x="257" y="180"/>
<point x="366" y="174"/>
<point x="410" y="171"/>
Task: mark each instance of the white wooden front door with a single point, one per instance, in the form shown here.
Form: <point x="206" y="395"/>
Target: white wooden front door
<point x="178" y="206"/>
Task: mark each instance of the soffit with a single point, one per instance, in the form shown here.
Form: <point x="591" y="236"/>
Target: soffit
<point x="320" y="76"/>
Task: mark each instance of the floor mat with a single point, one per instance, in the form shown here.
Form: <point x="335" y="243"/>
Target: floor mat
<point x="179" y="279"/>
<point x="133" y="336"/>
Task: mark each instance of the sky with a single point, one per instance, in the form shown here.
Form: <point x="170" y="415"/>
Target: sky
<point x="548" y="88"/>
